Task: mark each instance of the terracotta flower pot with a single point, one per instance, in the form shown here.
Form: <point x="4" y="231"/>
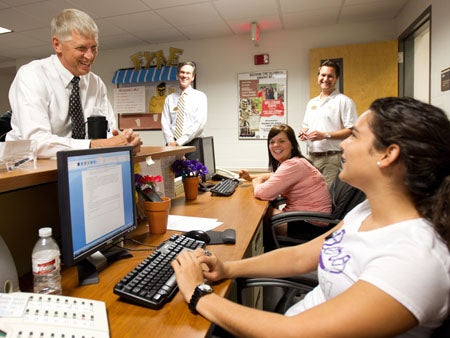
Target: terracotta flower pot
<point x="157" y="215"/>
<point x="190" y="185"/>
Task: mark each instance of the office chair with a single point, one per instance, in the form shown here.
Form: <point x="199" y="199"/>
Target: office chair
<point x="344" y="198"/>
<point x="5" y="125"/>
<point x="301" y="227"/>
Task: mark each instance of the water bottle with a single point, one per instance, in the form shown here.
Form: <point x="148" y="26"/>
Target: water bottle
<point x="46" y="264"/>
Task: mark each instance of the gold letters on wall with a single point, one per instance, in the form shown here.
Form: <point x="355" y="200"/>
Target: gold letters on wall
<point x="157" y="59"/>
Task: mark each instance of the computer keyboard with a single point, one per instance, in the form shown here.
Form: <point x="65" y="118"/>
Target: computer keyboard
<point x="152" y="283"/>
<point x="226" y="187"/>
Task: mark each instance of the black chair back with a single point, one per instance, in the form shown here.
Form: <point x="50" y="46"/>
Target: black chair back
<point x="344" y="198"/>
<point x="5" y="125"/>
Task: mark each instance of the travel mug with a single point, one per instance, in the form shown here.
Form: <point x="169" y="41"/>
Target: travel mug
<point x="97" y="126"/>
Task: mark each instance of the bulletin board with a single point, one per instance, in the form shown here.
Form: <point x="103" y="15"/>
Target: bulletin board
<point x="140" y="106"/>
<point x="140" y="94"/>
<point x="262" y="103"/>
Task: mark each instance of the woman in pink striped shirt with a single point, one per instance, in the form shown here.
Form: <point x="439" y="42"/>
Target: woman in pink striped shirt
<point x="292" y="177"/>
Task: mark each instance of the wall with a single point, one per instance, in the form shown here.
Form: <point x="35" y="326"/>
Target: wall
<point x="6" y="78"/>
<point x="370" y="70"/>
<point x="220" y="60"/>
<point x="440" y="48"/>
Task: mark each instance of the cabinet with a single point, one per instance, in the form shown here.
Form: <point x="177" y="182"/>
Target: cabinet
<point x="253" y="297"/>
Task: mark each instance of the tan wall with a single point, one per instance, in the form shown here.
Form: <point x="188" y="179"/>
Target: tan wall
<point x="370" y="70"/>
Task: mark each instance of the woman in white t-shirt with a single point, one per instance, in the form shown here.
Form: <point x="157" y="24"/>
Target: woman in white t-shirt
<point x="384" y="271"/>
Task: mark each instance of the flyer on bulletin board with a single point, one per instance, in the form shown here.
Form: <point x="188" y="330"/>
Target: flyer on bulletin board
<point x="262" y="103"/>
<point x="129" y="100"/>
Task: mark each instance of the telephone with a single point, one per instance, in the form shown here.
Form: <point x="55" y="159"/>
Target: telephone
<point x="221" y="174"/>
<point x="24" y="314"/>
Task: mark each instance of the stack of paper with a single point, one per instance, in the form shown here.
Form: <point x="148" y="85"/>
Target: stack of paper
<point x="186" y="223"/>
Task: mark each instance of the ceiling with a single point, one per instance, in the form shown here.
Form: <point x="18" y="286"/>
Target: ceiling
<point x="126" y="23"/>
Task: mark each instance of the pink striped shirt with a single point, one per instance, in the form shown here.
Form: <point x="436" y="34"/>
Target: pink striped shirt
<point x="300" y="183"/>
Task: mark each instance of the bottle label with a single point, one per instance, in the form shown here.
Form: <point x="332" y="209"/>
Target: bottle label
<point x="44" y="267"/>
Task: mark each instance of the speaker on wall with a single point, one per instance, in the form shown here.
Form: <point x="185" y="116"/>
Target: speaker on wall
<point x="8" y="273"/>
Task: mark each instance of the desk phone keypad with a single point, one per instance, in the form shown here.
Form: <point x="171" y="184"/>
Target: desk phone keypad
<point x="41" y="315"/>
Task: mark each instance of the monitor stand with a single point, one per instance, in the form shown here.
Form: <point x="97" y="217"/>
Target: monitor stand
<point x="88" y="268"/>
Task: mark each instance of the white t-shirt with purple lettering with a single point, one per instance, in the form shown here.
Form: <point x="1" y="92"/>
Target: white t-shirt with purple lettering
<point x="407" y="260"/>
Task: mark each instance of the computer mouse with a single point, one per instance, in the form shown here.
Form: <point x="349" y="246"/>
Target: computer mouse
<point x="229" y="236"/>
<point x="199" y="235"/>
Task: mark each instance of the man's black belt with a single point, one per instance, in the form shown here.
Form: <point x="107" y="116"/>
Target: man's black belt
<point x="326" y="153"/>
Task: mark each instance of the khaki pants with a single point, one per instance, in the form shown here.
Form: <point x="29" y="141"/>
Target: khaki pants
<point x="328" y="165"/>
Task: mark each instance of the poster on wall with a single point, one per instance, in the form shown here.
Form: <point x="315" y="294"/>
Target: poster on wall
<point x="262" y="103"/>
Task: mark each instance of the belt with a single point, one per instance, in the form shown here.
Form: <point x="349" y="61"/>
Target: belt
<point x="326" y="153"/>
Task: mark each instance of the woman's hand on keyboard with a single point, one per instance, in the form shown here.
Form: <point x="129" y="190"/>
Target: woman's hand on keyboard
<point x="215" y="269"/>
<point x="188" y="272"/>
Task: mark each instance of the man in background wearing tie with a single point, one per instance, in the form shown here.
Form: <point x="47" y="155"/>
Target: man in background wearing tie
<point x="52" y="98"/>
<point x="185" y="112"/>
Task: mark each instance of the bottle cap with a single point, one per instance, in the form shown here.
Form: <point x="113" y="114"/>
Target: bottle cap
<point x="45" y="232"/>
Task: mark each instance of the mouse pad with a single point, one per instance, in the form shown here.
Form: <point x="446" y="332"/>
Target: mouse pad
<point x="222" y="237"/>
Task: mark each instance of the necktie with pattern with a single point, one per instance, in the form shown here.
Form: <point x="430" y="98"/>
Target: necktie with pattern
<point x="180" y="117"/>
<point x="76" y="111"/>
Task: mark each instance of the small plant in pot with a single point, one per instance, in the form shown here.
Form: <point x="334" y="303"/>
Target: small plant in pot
<point x="146" y="187"/>
<point x="189" y="168"/>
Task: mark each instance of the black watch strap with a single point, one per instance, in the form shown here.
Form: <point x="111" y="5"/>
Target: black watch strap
<point x="200" y="291"/>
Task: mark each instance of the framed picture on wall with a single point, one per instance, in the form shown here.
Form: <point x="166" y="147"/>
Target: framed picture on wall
<point x="262" y="103"/>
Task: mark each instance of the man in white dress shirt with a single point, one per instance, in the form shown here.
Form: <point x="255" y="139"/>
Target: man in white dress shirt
<point x="194" y="106"/>
<point x="39" y="94"/>
<point x="329" y="119"/>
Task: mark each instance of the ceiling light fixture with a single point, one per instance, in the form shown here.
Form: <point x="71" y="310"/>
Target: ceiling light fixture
<point x="256" y="37"/>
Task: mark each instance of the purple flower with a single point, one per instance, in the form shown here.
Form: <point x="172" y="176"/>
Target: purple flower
<point x="189" y="168"/>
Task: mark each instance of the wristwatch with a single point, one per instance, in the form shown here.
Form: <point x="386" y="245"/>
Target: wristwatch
<point x="328" y="136"/>
<point x="200" y="291"/>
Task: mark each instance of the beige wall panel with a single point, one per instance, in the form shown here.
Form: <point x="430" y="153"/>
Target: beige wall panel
<point x="370" y="70"/>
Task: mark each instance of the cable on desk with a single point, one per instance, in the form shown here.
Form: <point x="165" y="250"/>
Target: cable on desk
<point x="140" y="243"/>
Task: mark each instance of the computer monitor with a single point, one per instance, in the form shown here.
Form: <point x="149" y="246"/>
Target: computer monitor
<point x="96" y="207"/>
<point x="204" y="153"/>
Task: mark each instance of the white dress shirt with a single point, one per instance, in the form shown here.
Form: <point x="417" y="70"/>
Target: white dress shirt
<point x="336" y="112"/>
<point x="196" y="107"/>
<point x="39" y="99"/>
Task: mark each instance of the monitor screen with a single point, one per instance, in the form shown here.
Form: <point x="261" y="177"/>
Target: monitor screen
<point x="96" y="203"/>
<point x="204" y="153"/>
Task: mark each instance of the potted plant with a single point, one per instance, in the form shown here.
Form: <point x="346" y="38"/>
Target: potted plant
<point x="190" y="172"/>
<point x="156" y="207"/>
<point x="146" y="187"/>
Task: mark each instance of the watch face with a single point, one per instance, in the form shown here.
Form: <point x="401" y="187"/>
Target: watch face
<point x="205" y="288"/>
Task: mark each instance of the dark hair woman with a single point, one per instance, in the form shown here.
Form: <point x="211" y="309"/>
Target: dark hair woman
<point x="384" y="271"/>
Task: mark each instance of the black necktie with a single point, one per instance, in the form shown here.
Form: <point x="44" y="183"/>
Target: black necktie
<point x="76" y="111"/>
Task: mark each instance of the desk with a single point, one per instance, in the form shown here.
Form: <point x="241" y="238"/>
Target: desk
<point x="240" y="211"/>
<point x="29" y="200"/>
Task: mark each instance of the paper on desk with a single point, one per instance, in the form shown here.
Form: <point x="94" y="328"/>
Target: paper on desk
<point x="187" y="223"/>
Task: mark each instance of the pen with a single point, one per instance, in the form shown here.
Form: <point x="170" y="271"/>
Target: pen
<point x="22" y="161"/>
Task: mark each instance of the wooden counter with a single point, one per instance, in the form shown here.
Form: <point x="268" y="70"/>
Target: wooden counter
<point x="29" y="201"/>
<point x="46" y="169"/>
